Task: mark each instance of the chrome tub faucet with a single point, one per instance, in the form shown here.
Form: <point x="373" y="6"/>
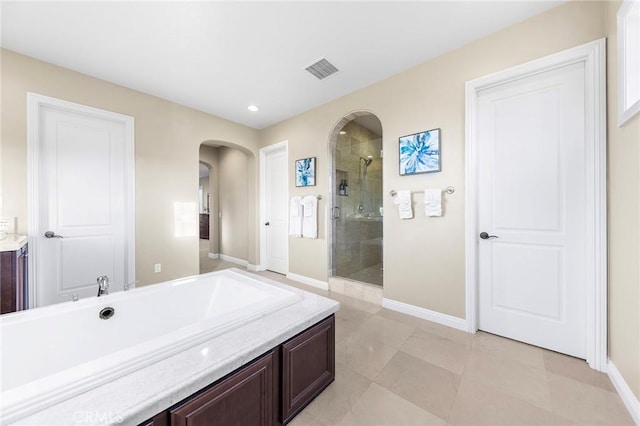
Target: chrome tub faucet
<point x="103" y="285"/>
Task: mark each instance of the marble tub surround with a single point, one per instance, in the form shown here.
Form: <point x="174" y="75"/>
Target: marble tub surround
<point x="44" y="361"/>
<point x="12" y="242"/>
<point x="140" y="395"/>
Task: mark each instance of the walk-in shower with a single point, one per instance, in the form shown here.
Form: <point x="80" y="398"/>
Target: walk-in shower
<point x="357" y="214"/>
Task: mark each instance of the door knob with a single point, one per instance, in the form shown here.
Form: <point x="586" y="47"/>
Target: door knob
<point x="266" y="224"/>
<point x="486" y="236"/>
<point x="51" y="234"/>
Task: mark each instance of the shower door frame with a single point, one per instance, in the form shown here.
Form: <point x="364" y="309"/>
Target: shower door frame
<point x="333" y="196"/>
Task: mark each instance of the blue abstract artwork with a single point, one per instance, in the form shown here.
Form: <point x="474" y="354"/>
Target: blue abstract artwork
<point x="420" y="153"/>
<point x="306" y="172"/>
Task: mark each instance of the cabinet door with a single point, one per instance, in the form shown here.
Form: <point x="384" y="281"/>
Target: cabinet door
<point x="161" y="419"/>
<point x="8" y="282"/>
<point x="247" y="397"/>
<point x="308" y="366"/>
<point x="204" y="226"/>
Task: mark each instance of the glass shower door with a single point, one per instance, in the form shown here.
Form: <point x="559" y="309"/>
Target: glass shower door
<point x="357" y="227"/>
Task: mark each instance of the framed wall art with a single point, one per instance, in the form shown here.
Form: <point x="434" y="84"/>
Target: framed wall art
<point x="306" y="172"/>
<point x="420" y="153"/>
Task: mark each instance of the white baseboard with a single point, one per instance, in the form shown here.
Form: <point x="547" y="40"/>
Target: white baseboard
<point x="213" y="255"/>
<point x="629" y="399"/>
<point x="235" y="260"/>
<point x="255" y="268"/>
<point x="309" y="281"/>
<point x="433" y="316"/>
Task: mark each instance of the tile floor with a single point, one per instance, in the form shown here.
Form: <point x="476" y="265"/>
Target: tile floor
<point x="210" y="265"/>
<point x="394" y="369"/>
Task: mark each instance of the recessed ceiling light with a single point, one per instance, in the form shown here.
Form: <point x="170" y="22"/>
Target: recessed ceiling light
<point x="253" y="108"/>
<point x="342" y="132"/>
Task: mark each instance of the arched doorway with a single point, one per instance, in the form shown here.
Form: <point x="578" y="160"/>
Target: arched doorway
<point x="225" y="205"/>
<point x="356" y="238"/>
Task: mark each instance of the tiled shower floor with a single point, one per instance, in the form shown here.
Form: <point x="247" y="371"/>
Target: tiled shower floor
<point x="371" y="275"/>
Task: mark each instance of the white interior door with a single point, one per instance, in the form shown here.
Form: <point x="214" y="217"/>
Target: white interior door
<point x="277" y="218"/>
<point x="532" y="198"/>
<point x="82" y="194"/>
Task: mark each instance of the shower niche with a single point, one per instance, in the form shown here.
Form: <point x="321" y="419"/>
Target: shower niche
<point x="342" y="183"/>
<point x="357" y="217"/>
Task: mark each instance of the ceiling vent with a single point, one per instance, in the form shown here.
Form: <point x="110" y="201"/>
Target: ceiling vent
<point x="322" y="69"/>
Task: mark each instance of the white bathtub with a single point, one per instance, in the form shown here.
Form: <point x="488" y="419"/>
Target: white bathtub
<point x="53" y="353"/>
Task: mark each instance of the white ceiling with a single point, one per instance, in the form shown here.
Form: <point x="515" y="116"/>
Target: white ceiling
<point x="220" y="57"/>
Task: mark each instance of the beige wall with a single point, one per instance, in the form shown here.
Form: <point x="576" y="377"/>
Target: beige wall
<point x="624" y="225"/>
<point x="424" y="257"/>
<point x="167" y="139"/>
<point x="233" y="169"/>
<point x="209" y="156"/>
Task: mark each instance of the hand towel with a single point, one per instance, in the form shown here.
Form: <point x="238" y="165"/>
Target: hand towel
<point x="295" y="217"/>
<point x="433" y="202"/>
<point x="403" y="201"/>
<point x="310" y="216"/>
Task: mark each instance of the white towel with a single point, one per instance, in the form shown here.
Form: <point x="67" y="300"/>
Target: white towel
<point x="295" y="217"/>
<point x="433" y="202"/>
<point x="310" y="216"/>
<point x="403" y="201"/>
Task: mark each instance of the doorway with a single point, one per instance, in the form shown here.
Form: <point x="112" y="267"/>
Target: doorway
<point x="536" y="228"/>
<point x="274" y="195"/>
<point x="227" y="209"/>
<point x="356" y="191"/>
<point x="81" y="202"/>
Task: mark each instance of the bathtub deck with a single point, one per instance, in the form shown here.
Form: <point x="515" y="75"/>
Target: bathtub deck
<point x="140" y="395"/>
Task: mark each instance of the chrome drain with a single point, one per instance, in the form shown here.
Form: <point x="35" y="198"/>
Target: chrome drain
<point x="106" y="313"/>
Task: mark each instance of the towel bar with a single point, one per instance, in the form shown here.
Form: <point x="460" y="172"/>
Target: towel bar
<point x="448" y="190"/>
<point x="319" y="197"/>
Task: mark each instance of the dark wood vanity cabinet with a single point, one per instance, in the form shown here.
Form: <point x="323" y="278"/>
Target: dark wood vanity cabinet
<point x="247" y="397"/>
<point x="270" y="390"/>
<point x="13" y="280"/>
<point x="204" y="226"/>
<point x="308" y="366"/>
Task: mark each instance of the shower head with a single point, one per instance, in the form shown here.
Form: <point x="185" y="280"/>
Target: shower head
<point x="367" y="161"/>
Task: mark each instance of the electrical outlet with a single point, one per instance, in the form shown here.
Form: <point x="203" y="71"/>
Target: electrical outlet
<point x="157" y="267"/>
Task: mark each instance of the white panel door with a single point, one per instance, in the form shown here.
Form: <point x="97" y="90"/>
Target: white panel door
<point x="277" y="218"/>
<point x="82" y="201"/>
<point x="532" y="198"/>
